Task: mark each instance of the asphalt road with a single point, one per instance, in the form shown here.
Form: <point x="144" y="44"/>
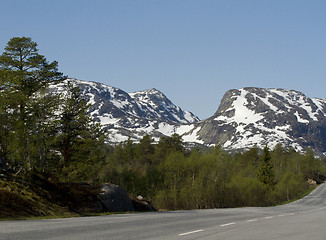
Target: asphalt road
<point x="303" y="219"/>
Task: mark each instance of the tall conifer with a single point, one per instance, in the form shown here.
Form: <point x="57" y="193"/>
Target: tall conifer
<point x="23" y="73"/>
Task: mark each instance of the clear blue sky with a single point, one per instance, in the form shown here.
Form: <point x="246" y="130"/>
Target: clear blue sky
<point x="191" y="50"/>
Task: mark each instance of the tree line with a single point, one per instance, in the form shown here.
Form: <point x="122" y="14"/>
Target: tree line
<point x="175" y="177"/>
<point x="52" y="132"/>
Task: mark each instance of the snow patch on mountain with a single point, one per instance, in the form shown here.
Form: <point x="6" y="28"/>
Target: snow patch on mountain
<point x="193" y="137"/>
<point x="242" y="114"/>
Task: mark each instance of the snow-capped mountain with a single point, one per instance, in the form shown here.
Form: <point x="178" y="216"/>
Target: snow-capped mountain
<point x="257" y="116"/>
<point x="246" y="117"/>
<point x="131" y="114"/>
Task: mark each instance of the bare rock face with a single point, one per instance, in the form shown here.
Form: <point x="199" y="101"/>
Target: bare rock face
<point x="113" y="198"/>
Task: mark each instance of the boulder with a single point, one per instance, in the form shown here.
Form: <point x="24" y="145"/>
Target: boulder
<point x="142" y="205"/>
<point x="113" y="198"/>
<point x="311" y="182"/>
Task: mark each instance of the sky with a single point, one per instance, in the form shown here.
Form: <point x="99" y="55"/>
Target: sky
<point x="191" y="50"/>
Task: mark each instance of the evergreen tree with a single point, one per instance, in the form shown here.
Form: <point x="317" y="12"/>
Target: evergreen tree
<point x="77" y="135"/>
<point x="8" y="119"/>
<point x="265" y="172"/>
<point x="43" y="108"/>
<point x="23" y="73"/>
<point x="4" y="131"/>
<point x="145" y="150"/>
<point x="167" y="145"/>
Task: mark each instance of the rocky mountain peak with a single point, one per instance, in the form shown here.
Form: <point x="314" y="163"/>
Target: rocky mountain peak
<point x="258" y="116"/>
<point x="130" y="114"/>
<point x="155" y="101"/>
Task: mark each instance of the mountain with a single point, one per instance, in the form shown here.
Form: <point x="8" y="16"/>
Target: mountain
<point x="245" y="117"/>
<point x="256" y="116"/>
<point x="131" y="114"/>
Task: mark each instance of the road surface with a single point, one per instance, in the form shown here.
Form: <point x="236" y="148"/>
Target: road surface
<point x="303" y="219"/>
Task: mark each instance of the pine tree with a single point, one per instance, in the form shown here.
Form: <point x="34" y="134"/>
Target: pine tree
<point x="265" y="171"/>
<point x="43" y="108"/>
<point x="77" y="135"/>
<point x="23" y="72"/>
<point x="170" y="144"/>
<point x="3" y="127"/>
<point x="8" y="119"/>
<point x="145" y="150"/>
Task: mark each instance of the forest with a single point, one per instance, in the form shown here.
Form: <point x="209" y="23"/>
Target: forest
<point x="53" y="133"/>
<point x="174" y="177"/>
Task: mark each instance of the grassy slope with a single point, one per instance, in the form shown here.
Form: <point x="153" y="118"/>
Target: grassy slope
<point x="43" y="196"/>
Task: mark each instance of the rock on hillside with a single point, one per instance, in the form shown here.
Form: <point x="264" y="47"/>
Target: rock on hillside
<point x="113" y="198"/>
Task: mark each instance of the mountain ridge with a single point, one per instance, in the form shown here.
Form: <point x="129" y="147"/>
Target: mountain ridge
<point x="246" y="117"/>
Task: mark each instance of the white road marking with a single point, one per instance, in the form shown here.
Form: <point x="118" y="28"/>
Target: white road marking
<point x="252" y="220"/>
<point x="227" y="224"/>
<point x="269" y="217"/>
<point x="281" y="215"/>
<point x="187" y="233"/>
